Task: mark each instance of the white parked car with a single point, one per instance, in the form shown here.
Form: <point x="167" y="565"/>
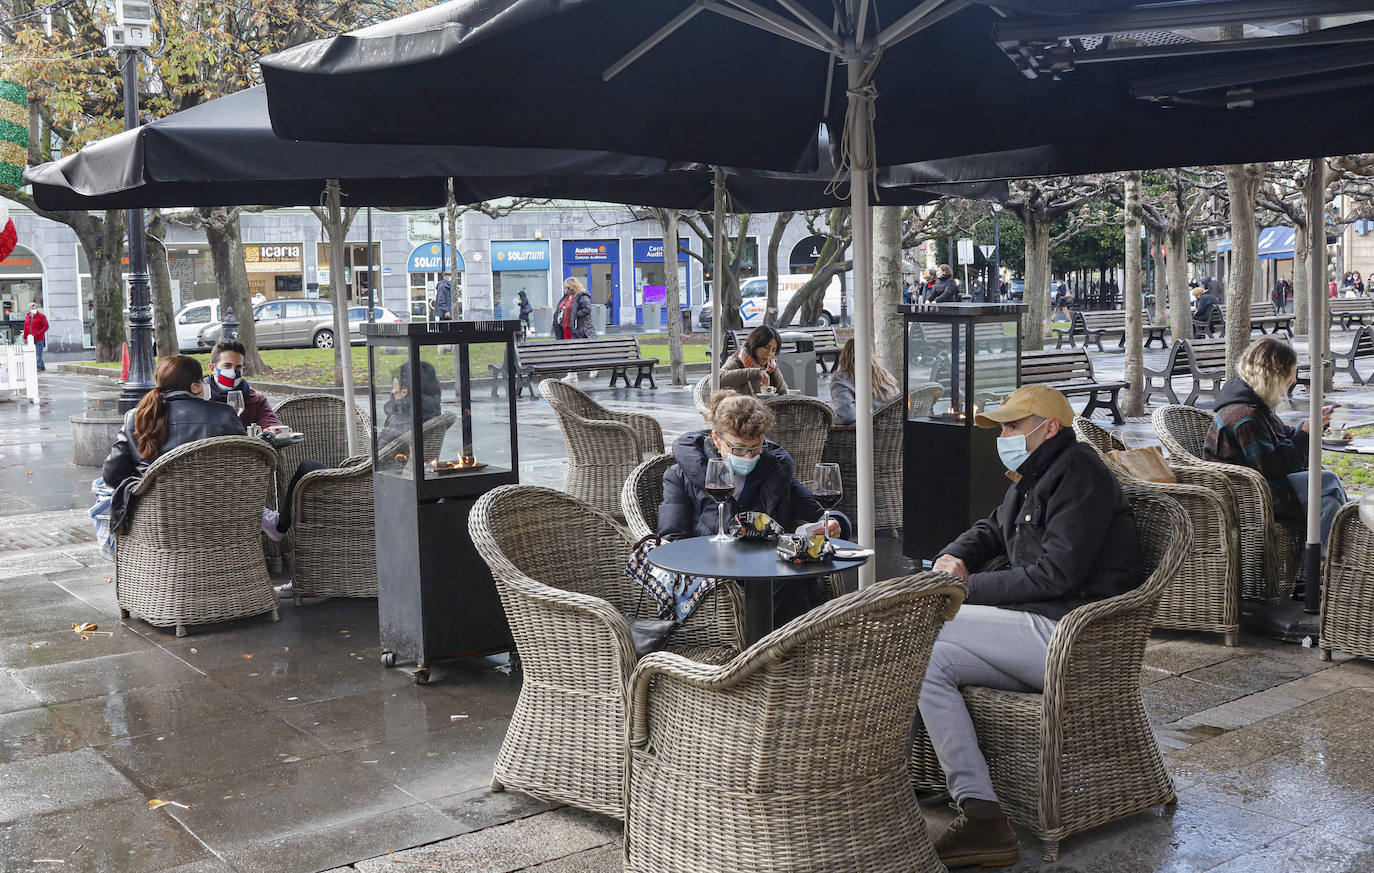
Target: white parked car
<point x="357" y="315"/>
<point x="192" y="318"/>
<point x="754" y="299"/>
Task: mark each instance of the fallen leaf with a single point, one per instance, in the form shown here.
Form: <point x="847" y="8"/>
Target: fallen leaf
<point x="38" y="644"/>
<point x="158" y="804"/>
<point x="85" y="627"/>
<point x="247" y="656"/>
<point x="291" y="760"/>
<point x="286" y="648"/>
<point x="193" y="650"/>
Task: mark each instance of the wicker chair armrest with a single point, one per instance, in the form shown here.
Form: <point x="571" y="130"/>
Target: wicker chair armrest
<point x="252" y="444"/>
<point x="766" y="651"/>
<point x="589" y="628"/>
<point x="355" y="460"/>
<point x="647" y="429"/>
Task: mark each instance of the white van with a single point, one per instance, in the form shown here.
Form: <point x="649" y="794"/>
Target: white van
<point x="754" y="298"/>
<point x="192" y="317"/>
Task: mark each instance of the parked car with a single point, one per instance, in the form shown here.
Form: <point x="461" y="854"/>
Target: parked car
<point x="754" y="300"/>
<point x="284" y="324"/>
<point x="357" y="315"/>
<point x="1018" y="289"/>
<point x="192" y="318"/>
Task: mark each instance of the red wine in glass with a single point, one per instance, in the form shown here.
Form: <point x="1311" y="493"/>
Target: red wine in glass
<point x="828" y="499"/>
<point x="718" y="493"/>
<point x="827" y="487"/>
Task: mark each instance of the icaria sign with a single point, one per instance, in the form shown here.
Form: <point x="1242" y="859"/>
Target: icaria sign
<point x="273" y="258"/>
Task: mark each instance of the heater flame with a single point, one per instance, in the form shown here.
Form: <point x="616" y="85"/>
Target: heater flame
<point x="466" y="462"/>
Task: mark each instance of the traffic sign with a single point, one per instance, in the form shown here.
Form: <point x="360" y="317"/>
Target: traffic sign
<point x="987" y="251"/>
<point x="965" y="251"/>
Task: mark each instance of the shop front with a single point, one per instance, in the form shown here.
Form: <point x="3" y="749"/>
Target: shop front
<point x="21" y="283"/>
<point x="275" y="270"/>
<point x="425" y="264"/>
<point x="805" y="254"/>
<point x="83" y="277"/>
<point x="651" y="277"/>
<point x="355" y="279"/>
<point x="596" y="262"/>
<point x="192" y="273"/>
<point x="521" y="265"/>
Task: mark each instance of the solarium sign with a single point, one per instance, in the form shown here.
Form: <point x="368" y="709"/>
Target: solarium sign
<point x="426" y="259"/>
<point x="521" y="254"/>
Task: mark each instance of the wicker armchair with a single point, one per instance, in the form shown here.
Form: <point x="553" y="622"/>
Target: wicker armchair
<point x="332" y="536"/>
<point x="800" y="426"/>
<point x="1081" y="753"/>
<point x="701" y="395"/>
<point x="1348" y="588"/>
<point x="793" y="755"/>
<point x="559" y="566"/>
<point x="603" y="446"/>
<point x="1205" y="594"/>
<point x="841" y="448"/>
<point x="321" y="418"/>
<point x="643" y="493"/>
<point x="922" y="399"/>
<point x="393" y="447"/>
<point x="166" y="571"/>
<point x="1269" y="553"/>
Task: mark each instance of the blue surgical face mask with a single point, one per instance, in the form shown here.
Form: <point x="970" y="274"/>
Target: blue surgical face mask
<point x="1012" y="450"/>
<point x="743" y="466"/>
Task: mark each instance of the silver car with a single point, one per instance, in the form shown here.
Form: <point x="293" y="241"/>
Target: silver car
<point x="284" y="324"/>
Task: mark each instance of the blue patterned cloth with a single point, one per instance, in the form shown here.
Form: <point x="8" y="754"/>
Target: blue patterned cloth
<point x="100" y="515"/>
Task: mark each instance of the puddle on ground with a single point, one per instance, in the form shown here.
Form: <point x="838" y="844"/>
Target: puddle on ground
<point x="1201" y="732"/>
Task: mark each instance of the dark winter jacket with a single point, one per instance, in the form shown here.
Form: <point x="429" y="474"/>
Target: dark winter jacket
<point x="1203" y="306"/>
<point x="581" y="324"/>
<point x="747" y="380"/>
<point x="188" y="419"/>
<point x="1066" y="529"/>
<point x="945" y="290"/>
<point x="688" y="511"/>
<point x="443" y="300"/>
<point x="256" y="409"/>
<point x="1246" y="431"/>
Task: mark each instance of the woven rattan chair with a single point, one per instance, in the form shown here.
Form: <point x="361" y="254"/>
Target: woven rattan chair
<point x="321" y="418"/>
<point x="603" y="447"/>
<point x="1205" y="593"/>
<point x="793" y="755"/>
<point x="167" y="571"/>
<point x="800" y="425"/>
<point x="1269" y="548"/>
<point x="922" y="399"/>
<point x="701" y="395"/>
<point x="1081" y="753"/>
<point x="643" y="493"/>
<point x="394" y="448"/>
<point x="333" y="543"/>
<point x="841" y="448"/>
<point x="1348" y="587"/>
<point x="559" y="566"/>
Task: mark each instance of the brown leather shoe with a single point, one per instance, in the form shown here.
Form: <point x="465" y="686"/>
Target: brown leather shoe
<point x="980" y="836"/>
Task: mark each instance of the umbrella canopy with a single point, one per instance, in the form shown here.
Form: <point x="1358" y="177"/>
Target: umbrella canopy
<point x="1111" y="85"/>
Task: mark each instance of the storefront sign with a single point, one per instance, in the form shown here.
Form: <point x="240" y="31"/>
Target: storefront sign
<point x="591" y="251"/>
<point x="520" y="254"/>
<point x="426" y="259"/>
<point x="272" y="257"/>
<point x="650" y="251"/>
<point x="805" y="254"/>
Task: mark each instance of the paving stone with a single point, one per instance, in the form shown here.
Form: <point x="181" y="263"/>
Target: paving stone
<point x="118" y="836"/>
<point x="104" y="676"/>
<point x="438" y="763"/>
<point x="1171" y="699"/>
<point x="1311" y="850"/>
<point x="63" y="781"/>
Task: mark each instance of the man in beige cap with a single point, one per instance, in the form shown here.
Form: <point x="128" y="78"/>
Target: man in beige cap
<point x="1070" y="538"/>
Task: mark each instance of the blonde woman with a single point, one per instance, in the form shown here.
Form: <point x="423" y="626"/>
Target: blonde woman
<point x="885" y="386"/>
<point x="1246" y="431"/>
<point x="572" y="318"/>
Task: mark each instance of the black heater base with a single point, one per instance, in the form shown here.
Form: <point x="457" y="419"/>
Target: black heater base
<point x="1285" y="620"/>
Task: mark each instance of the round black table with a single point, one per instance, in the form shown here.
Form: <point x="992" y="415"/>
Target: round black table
<point x="752" y="563"/>
<point x="1359" y="446"/>
<point x="294" y="440"/>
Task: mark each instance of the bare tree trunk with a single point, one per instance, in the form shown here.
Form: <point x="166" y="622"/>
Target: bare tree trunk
<point x="672" y="295"/>
<point x="1302" y="320"/>
<point x="1134" y="403"/>
<point x="451" y="211"/>
<point x="887" y="285"/>
<point x="770" y="315"/>
<point x="1176" y="262"/>
<point x="160" y="278"/>
<point x="104" y="248"/>
<point x="226" y="255"/>
<point x="1037" y="230"/>
<point x="1242" y="186"/>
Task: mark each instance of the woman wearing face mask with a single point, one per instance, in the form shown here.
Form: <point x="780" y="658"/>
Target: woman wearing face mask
<point x="226" y="374"/>
<point x="764" y="482"/>
<point x="754" y="370"/>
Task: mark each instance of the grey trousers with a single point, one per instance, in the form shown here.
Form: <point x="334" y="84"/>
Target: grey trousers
<point x="983" y="645"/>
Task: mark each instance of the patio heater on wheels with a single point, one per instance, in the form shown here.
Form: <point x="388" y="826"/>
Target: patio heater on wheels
<point x="432" y="458"/>
<point x="961" y="359"/>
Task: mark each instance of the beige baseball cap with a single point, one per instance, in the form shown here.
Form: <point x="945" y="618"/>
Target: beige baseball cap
<point x="1041" y="400"/>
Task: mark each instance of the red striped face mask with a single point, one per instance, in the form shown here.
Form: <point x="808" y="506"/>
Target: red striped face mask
<point x="228" y="377"/>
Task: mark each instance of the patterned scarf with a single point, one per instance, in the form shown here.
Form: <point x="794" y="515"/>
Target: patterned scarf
<point x="748" y="361"/>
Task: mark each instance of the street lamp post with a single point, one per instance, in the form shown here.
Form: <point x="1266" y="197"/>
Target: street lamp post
<point x="996" y="289"/>
<point x="140" y="380"/>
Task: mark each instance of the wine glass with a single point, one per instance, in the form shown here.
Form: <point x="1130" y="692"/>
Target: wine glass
<point x="827" y="488"/>
<point x="720" y="485"/>
<point x="235" y="400"/>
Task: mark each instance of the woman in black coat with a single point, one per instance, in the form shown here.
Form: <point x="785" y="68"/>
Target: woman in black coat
<point x="764" y="482"/>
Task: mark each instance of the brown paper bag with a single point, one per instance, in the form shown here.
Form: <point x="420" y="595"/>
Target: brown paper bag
<point x="1147" y="463"/>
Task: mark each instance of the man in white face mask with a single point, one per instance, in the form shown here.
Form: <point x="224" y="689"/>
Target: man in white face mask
<point x="1070" y="538"/>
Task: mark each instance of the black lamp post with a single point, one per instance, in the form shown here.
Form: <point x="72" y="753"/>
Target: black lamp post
<point x="140" y="380"/>
<point x="230" y="324"/>
<point x="996" y="288"/>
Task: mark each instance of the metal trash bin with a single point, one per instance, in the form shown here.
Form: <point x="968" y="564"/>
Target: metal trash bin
<point x="797" y="360"/>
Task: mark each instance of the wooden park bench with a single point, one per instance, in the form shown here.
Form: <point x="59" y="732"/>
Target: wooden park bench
<point x="1266" y="319"/>
<point x="1071" y="371"/>
<point x="1346" y="311"/>
<point x="1202" y="359"/>
<point x="1092" y="325"/>
<point x="828" y="345"/>
<point x="1215" y="326"/>
<point x="542" y="358"/>
<point x="1362" y="347"/>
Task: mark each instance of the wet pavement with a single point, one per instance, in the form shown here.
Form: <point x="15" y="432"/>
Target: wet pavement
<point x="289" y="748"/>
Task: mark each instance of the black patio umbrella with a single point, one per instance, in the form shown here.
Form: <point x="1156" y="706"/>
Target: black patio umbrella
<point x="1107" y="84"/>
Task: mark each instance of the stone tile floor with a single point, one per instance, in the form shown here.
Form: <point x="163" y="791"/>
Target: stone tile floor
<point x="294" y="750"/>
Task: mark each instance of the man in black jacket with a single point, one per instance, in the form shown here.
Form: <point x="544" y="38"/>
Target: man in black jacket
<point x="1070" y="538"/>
<point x="946" y="288"/>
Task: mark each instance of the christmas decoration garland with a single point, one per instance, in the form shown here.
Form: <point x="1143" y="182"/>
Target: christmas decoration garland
<point x="14" y="133"/>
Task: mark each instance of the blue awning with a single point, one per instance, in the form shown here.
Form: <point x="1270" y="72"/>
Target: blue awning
<point x="1275" y="243"/>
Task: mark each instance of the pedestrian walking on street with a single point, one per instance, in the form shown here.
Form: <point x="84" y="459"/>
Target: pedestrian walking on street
<point x="1279" y="297"/>
<point x="443" y="298"/>
<point x="946" y="289"/>
<point x="525" y="310"/>
<point x="1061" y="304"/>
<point x="36" y="326"/>
<point x="572" y="318"/>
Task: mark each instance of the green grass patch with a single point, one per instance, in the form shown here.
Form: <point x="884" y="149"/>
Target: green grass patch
<point x="1356" y="471"/>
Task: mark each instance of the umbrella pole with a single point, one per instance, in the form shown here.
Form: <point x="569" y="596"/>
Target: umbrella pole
<point x="717" y="277"/>
<point x="1316" y="354"/>
<point x="339" y="298"/>
<point x="861" y="218"/>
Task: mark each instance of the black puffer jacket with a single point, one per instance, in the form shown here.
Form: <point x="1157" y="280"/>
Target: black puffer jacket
<point x="1066" y="529"/>
<point x="945" y="290"/>
<point x="188" y="419"/>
